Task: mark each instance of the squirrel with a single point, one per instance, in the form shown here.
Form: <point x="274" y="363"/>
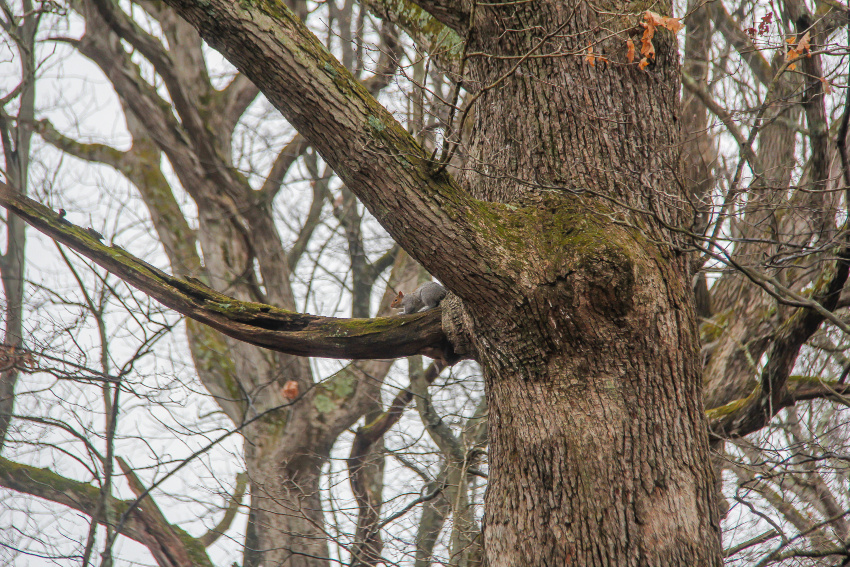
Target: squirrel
<point x="427" y="296"/>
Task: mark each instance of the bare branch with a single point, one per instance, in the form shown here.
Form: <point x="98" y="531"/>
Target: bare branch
<point x="139" y="525"/>
<point x="230" y="513"/>
<point x="440" y="41"/>
<point x="284" y="160"/>
<point x="235" y="99"/>
<point x="741" y="42"/>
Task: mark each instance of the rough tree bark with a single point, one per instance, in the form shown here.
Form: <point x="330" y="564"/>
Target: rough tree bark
<point x="561" y="245"/>
<point x="597" y="448"/>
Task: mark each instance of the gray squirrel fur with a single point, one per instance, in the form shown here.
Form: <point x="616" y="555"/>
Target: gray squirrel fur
<point x="427" y="296"/>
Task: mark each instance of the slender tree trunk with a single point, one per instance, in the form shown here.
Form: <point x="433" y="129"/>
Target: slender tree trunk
<point x="16" y="142"/>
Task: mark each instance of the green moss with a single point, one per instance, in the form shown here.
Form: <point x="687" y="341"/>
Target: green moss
<point x="211" y="357"/>
<point x="375" y="124"/>
<point x="712" y="329"/>
<point x="324" y="403"/>
<point x="732" y="407"/>
<point x="193" y="547"/>
<point x="335" y="391"/>
<point x="801" y="379"/>
<point x="562" y="230"/>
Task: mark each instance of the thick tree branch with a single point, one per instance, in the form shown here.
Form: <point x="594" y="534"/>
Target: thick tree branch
<point x="143" y="101"/>
<point x="314" y="216"/>
<point x="230" y="513"/>
<point x="452" y="13"/>
<point x="387" y="64"/>
<point x="746" y="149"/>
<point x="813" y="103"/>
<point x="254" y="323"/>
<point x="99" y="153"/>
<point x="437" y="429"/>
<point x="234" y="100"/>
<point x="370" y="151"/>
<point x="742" y="417"/>
<point x="741" y="42"/>
<point x="153" y="51"/>
<point x="284" y="160"/>
<point x="382" y="263"/>
<point x="141" y="166"/>
<point x="376" y="429"/>
<point x="391" y="51"/>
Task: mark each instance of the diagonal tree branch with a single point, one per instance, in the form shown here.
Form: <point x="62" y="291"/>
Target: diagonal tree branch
<point x="371" y="152"/>
<point x="284" y="160"/>
<point x="452" y="13"/>
<point x="154" y="52"/>
<point x="742" y="417"/>
<point x="732" y="32"/>
<point x="234" y="99"/>
<point x="442" y="43"/>
<point x="230" y="512"/>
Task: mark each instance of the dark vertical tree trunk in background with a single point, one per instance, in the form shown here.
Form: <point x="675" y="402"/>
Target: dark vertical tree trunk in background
<point x="286" y="504"/>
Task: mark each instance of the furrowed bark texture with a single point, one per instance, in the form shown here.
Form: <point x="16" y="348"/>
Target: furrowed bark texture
<point x="598" y="451"/>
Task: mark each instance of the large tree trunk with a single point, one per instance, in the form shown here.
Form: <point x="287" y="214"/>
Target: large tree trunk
<point x="598" y="441"/>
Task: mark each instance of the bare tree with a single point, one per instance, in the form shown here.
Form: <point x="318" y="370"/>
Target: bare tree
<point x="547" y="191"/>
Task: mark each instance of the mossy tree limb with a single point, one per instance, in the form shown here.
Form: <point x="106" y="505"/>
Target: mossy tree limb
<point x="440" y="41"/>
<point x="254" y="323"/>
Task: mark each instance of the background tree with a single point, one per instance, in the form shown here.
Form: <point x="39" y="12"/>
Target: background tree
<point x="593" y="244"/>
<point x="17" y="112"/>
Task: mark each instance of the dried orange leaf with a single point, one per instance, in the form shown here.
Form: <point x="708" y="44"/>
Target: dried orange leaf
<point x="792" y="39"/>
<point x="589" y="57"/>
<point x="643" y="63"/>
<point x="827" y="88"/>
<point x="805" y="44"/>
<point x="630" y="51"/>
<point x="290" y="390"/>
<point x="653" y="19"/>
<point x="792" y="66"/>
<point x="673" y="24"/>
<point x="791" y="54"/>
<point x="646" y="47"/>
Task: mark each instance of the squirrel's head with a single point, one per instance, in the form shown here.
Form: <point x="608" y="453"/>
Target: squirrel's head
<point x="397" y="301"/>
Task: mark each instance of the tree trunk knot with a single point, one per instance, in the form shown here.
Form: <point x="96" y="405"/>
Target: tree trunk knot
<point x="457" y="325"/>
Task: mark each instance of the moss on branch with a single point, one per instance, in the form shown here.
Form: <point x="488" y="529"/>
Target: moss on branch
<point x="256" y="323"/>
